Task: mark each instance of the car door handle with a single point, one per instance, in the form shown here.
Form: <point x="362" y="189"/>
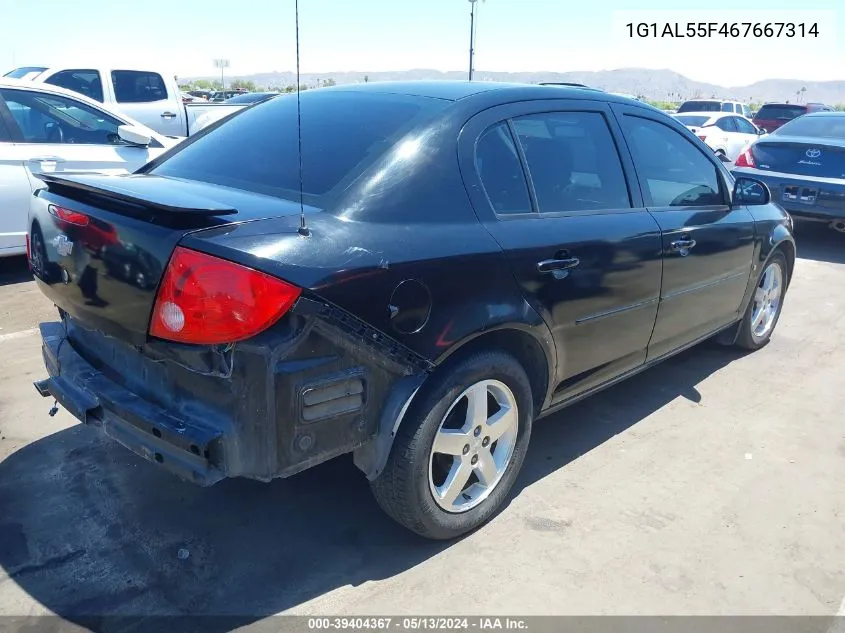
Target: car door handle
<point x="682" y="245"/>
<point x="168" y="115"/>
<point x="552" y="265"/>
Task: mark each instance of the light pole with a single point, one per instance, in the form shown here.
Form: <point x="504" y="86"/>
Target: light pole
<point x="222" y="64"/>
<point x="472" y="4"/>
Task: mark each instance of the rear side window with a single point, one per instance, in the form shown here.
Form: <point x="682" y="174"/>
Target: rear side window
<point x="573" y="162"/>
<point x="135" y="86"/>
<point x="727" y="107"/>
<point x="25" y="72"/>
<point x="343" y="133"/>
<point x="85" y="82"/>
<point x="672" y="170"/>
<point x="498" y="165"/>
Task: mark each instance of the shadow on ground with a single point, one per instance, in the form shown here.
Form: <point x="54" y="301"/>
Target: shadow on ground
<point x="87" y="529"/>
<point x="817" y="242"/>
<point x="14" y="270"/>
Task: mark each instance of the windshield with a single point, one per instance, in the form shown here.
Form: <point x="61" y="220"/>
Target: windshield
<point x="701" y="106"/>
<point x="26" y="72"/>
<point x="342" y="134"/>
<point x="829" y="126"/>
<point x="693" y="120"/>
<point x="780" y="112"/>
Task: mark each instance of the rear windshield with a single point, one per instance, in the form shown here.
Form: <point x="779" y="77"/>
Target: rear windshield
<point x="787" y="112"/>
<point x="693" y="120"/>
<point x="342" y="134"/>
<point x="830" y="126"/>
<point x="701" y="106"/>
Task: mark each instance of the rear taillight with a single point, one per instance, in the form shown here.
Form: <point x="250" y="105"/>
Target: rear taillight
<point x="68" y="215"/>
<point x="206" y="300"/>
<point x="745" y="159"/>
<point x="703" y="137"/>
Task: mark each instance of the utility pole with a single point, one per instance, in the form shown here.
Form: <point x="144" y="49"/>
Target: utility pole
<point x="222" y="64"/>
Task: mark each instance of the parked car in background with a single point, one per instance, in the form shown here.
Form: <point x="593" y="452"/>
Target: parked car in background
<point x="728" y="134"/>
<point x="202" y="94"/>
<point x="46" y="129"/>
<point x="151" y="97"/>
<point x="241" y="101"/>
<point x="803" y="163"/>
<point x="772" y="115"/>
<point x="223" y="95"/>
<point x="715" y="105"/>
<point x="442" y="263"/>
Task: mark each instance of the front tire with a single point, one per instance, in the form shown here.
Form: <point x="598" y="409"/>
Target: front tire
<point x="765" y="306"/>
<point x="460" y="448"/>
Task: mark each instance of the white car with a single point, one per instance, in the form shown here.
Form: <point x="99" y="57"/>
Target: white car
<point x="727" y="134"/>
<point x="46" y="129"/>
<point x="715" y="105"/>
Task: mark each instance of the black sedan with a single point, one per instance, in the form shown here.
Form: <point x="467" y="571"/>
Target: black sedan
<point x="447" y="263"/>
<point x="803" y="163"/>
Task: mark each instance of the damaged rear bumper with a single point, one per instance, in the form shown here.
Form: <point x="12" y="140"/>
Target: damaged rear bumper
<point x="183" y="447"/>
<point x="317" y="385"/>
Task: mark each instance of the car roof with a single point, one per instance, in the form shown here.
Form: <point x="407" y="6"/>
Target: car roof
<point x="499" y="91"/>
<point x="821" y="114"/>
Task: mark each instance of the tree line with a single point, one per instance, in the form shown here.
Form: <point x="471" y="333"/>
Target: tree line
<point x="250" y="86"/>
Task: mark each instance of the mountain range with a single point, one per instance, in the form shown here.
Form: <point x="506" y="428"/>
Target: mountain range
<point x="663" y="85"/>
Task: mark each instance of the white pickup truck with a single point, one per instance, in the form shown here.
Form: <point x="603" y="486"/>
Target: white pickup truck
<point x="150" y="97"/>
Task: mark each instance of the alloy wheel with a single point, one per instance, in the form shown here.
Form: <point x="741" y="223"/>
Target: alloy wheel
<point x="473" y="446"/>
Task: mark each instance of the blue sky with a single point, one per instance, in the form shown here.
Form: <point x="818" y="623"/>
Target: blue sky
<point x="338" y="35"/>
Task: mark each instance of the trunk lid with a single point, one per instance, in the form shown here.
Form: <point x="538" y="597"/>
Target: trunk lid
<point x="104" y="268"/>
<point x="803" y="156"/>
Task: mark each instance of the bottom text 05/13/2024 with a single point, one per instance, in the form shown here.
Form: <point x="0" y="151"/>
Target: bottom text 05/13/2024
<point x="407" y="623"/>
<point x="722" y="29"/>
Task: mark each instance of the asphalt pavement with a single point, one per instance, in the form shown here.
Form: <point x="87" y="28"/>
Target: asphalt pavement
<point x="712" y="484"/>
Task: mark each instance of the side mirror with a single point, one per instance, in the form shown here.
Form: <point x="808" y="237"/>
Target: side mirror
<point x="749" y="191"/>
<point x="134" y="135"/>
<point x="761" y="131"/>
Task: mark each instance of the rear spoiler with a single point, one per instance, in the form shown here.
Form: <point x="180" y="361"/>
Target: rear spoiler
<point x="163" y="195"/>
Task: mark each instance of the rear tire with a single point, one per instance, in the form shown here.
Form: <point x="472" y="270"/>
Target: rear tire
<point x="441" y="442"/>
<point x="765" y="306"/>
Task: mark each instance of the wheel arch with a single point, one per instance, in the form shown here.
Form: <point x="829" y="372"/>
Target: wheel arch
<point x="535" y="354"/>
<point x="531" y="346"/>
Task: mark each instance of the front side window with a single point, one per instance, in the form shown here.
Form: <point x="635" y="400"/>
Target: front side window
<point x="727" y="124"/>
<point x="86" y="82"/>
<point x="136" y="86"/>
<point x="674" y="172"/>
<point x="498" y="165"/>
<point x="745" y="127"/>
<point x="47" y="118"/>
<point x="573" y="162"/>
